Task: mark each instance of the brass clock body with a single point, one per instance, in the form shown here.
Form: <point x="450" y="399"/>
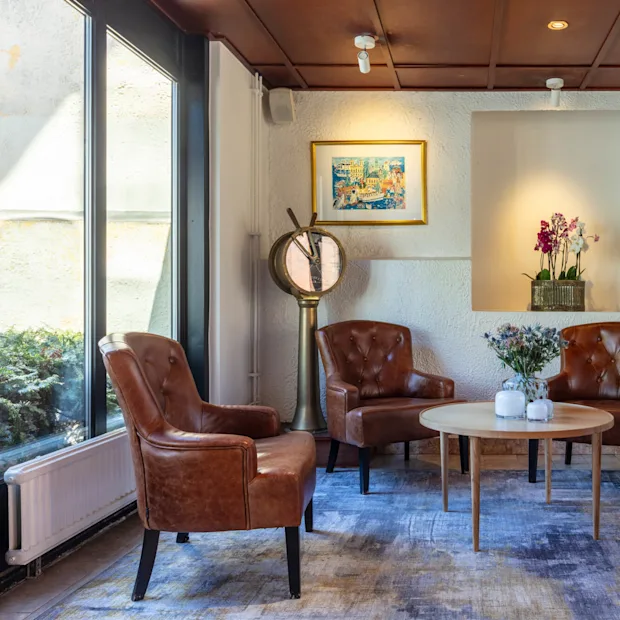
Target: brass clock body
<point x="307" y="263"/>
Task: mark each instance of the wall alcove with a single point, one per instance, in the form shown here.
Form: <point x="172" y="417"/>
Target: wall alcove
<point x="526" y="166"/>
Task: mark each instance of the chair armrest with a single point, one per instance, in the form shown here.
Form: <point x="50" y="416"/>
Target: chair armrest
<point x="194" y="482"/>
<point x="170" y="438"/>
<point x="423" y="385"/>
<point x="249" y="420"/>
<point x="559" y="388"/>
<point x="341" y="396"/>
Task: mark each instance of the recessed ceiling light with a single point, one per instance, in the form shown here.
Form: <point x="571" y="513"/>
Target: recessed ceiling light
<point x="557" y="24"/>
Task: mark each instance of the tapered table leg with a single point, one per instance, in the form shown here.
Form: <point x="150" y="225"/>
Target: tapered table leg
<point x="474" y="468"/>
<point x="548" y="463"/>
<point x="443" y="444"/>
<point x="596" y="484"/>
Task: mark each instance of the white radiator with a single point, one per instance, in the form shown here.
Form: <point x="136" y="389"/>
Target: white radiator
<point x="57" y="496"/>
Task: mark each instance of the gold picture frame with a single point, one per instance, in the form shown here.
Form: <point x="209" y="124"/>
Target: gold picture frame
<point x="332" y="200"/>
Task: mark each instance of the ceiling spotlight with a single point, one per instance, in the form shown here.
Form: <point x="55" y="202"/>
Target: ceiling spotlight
<point x="557" y="24"/>
<point x="555" y="85"/>
<point x="364" y="42"/>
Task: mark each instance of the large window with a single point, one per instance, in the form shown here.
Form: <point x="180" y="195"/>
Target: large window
<point x="103" y="186"/>
<point x="140" y="200"/>
<point x="42" y="110"/>
<point x="91" y="205"/>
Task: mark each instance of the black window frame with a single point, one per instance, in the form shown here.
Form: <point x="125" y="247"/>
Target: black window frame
<point x="186" y="59"/>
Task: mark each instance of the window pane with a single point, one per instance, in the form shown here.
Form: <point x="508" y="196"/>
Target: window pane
<point x="139" y="198"/>
<point x="41" y="228"/>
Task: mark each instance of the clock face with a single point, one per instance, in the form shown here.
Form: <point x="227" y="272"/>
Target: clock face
<point x="313" y="262"/>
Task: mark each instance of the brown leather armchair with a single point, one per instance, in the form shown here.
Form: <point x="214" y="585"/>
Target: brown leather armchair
<point x="374" y="395"/>
<point x="590" y="374"/>
<point x="201" y="467"/>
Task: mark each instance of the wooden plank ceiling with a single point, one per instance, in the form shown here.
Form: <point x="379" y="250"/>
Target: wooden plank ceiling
<point x="422" y="44"/>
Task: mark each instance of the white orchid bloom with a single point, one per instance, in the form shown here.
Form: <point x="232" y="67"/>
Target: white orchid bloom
<point x="577" y="244"/>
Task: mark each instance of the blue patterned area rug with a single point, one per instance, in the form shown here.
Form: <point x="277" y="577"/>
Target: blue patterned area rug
<point x="392" y="554"/>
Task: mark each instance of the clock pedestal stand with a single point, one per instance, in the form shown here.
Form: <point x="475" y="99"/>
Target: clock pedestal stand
<point x="308" y="414"/>
<point x="307" y="263"/>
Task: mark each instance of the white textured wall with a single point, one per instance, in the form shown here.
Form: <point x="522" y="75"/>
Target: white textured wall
<point x="426" y="283"/>
<point x="231" y="104"/>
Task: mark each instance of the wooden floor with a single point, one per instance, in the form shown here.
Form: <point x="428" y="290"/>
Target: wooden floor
<point x="31" y="598"/>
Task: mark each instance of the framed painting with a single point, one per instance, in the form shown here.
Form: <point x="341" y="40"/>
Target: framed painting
<point x="369" y="183"/>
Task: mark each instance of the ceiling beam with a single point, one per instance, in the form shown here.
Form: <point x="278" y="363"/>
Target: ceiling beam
<point x="285" y="59"/>
<point x="349" y="65"/>
<point x="173" y="13"/>
<point x="233" y="50"/>
<point x="610" y="39"/>
<point x="385" y="44"/>
<point x="446" y="89"/>
<point x="496" y="39"/>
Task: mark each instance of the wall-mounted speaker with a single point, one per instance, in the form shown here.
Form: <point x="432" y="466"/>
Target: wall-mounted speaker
<point x="281" y="105"/>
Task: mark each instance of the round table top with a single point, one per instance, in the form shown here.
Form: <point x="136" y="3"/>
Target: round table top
<point x="479" y="420"/>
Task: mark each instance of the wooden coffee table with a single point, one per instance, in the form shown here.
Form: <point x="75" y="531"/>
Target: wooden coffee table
<point x="478" y="421"/>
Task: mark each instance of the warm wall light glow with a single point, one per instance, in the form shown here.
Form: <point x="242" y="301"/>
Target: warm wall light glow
<point x="557" y="25"/>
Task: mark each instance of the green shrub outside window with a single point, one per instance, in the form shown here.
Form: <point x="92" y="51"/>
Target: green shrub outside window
<point x="42" y="386"/>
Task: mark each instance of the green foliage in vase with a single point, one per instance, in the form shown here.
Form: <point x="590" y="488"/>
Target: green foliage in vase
<point x="527" y="350"/>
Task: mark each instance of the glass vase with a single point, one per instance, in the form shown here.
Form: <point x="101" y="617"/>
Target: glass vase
<point x="532" y="387"/>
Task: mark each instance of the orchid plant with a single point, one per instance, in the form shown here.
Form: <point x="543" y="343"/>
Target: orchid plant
<point x="557" y="240"/>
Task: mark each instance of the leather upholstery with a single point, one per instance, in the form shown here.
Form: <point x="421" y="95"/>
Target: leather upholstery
<point x="590" y="372"/>
<point x="374" y="395"/>
<point x="201" y="467"/>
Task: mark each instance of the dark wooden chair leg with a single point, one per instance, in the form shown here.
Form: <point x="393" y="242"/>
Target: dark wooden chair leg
<point x="147" y="559"/>
<point x="309" y="517"/>
<point x="293" y="561"/>
<point x="533" y="458"/>
<point x="568" y="457"/>
<point x="364" y="456"/>
<point x="464" y="453"/>
<point x="406" y="450"/>
<point x="182" y="537"/>
<point x="333" y="455"/>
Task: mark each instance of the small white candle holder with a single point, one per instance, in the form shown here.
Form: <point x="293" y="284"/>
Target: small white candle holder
<point x="539" y="411"/>
<point x="549" y="404"/>
<point x="510" y="404"/>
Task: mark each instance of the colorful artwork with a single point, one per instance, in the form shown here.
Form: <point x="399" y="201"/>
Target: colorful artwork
<point x="368" y="183"/>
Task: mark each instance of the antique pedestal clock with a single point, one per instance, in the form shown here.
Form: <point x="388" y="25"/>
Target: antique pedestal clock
<point x="307" y="263"/>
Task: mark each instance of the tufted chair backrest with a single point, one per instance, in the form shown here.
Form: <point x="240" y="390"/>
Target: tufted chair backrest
<point x="592" y="361"/>
<point x="152" y="379"/>
<point x="374" y="357"/>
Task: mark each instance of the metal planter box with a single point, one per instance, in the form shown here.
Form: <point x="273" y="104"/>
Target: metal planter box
<point x="558" y="295"/>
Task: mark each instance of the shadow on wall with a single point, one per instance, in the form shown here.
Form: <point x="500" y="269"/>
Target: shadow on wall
<point x="354" y="286"/>
<point x="160" y="321"/>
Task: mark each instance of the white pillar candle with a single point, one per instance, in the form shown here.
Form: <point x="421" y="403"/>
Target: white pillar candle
<point x="510" y="404"/>
<point x="537" y="411"/>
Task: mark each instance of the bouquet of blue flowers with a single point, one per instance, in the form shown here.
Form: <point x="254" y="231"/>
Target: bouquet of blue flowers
<point x="527" y="350"/>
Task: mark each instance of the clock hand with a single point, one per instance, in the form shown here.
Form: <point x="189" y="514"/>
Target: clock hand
<point x="316" y="276"/>
<point x="312" y="244"/>
<point x="303" y="250"/>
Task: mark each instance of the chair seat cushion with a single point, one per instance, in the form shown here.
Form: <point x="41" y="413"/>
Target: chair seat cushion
<point x="285" y="482"/>
<point x="610" y="437"/>
<point x="389" y="420"/>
